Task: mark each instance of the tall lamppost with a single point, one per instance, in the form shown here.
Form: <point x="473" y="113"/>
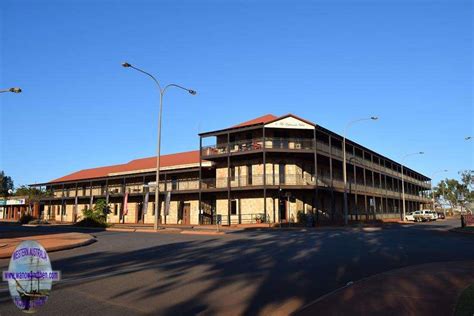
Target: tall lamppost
<point x="344" y="171"/>
<point x="14" y="90"/>
<point x="162" y="93"/>
<point x="403" y="181"/>
<point x="431" y="183"/>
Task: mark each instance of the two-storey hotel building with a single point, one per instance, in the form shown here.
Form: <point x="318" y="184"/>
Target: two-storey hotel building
<point x="265" y="170"/>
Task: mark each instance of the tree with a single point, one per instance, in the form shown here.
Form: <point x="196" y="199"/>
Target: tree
<point x="6" y="184"/>
<point x="33" y="195"/>
<point x="451" y="190"/>
<point x="467" y="180"/>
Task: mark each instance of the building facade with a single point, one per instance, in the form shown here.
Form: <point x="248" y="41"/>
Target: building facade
<point x="13" y="208"/>
<point x="267" y="170"/>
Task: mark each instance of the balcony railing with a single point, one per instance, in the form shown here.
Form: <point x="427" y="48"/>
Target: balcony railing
<point x="304" y="179"/>
<point x="289" y="143"/>
<point x="258" y="144"/>
<point x="300" y="144"/>
<point x="257" y="180"/>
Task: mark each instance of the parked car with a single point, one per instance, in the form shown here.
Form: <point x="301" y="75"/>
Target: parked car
<point x="441" y="215"/>
<point x="418" y="216"/>
<point x="434" y="215"/>
<point x="409" y="217"/>
<point x="424" y="216"/>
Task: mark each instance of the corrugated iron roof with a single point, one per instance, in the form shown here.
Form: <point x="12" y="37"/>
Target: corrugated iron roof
<point x="183" y="158"/>
<point x="259" y="120"/>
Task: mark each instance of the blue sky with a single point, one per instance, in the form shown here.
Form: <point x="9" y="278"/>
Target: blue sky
<point x="409" y="62"/>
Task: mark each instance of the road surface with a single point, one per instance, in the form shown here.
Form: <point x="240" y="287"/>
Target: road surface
<point x="246" y="272"/>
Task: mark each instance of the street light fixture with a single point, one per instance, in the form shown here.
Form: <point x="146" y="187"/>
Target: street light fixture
<point x="468" y="138"/>
<point x="344" y="171"/>
<point x="403" y="182"/>
<point x="162" y="93"/>
<point x="13" y="90"/>
<point x="432" y="193"/>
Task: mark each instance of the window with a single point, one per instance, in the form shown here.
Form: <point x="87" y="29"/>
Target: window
<point x="233" y="207"/>
<point x="83" y="190"/>
<point x="115" y="209"/>
<point x="249" y="174"/>
<point x="180" y="211"/>
<point x="232" y="173"/>
<point x="154" y="206"/>
<point x="59" y="210"/>
<point x="174" y="184"/>
<point x="281" y="171"/>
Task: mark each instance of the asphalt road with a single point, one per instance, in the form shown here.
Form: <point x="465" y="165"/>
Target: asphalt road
<point x="250" y="272"/>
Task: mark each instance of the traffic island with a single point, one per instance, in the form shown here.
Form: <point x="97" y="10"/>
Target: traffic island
<point x="465" y="305"/>
<point x="463" y="230"/>
<point x="51" y="242"/>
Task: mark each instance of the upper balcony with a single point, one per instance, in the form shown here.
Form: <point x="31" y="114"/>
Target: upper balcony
<point x="298" y="145"/>
<point x="258" y="144"/>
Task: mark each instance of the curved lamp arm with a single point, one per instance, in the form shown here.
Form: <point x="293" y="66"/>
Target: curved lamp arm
<point x="193" y="92"/>
<point x="127" y="65"/>
<point x="374" y="118"/>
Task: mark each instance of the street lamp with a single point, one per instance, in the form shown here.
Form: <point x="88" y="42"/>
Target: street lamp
<point x="344" y="171"/>
<point x="403" y="182"/>
<point x="162" y="93"/>
<point x="468" y="138"/>
<point x="13" y="90"/>
<point x="431" y="183"/>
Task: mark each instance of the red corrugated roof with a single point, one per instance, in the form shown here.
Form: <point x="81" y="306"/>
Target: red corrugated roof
<point x="259" y="120"/>
<point x="184" y="158"/>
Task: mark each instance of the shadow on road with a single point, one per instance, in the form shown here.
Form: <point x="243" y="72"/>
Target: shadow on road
<point x="249" y="272"/>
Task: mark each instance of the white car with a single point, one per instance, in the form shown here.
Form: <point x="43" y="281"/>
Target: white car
<point x="423" y="216"/>
<point x="409" y="217"/>
<point x="428" y="215"/>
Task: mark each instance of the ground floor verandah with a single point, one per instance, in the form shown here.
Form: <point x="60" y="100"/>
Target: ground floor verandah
<point x="232" y="207"/>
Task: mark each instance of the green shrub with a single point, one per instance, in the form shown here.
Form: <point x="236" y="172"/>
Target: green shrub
<point x="39" y="221"/>
<point x="26" y="218"/>
<point x="305" y="219"/>
<point x="91" y="222"/>
<point x="259" y="218"/>
<point x="95" y="217"/>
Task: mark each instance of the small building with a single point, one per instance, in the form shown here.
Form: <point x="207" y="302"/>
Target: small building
<point x="12" y="208"/>
<point x="270" y="169"/>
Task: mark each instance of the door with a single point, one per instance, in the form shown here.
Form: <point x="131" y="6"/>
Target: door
<point x="52" y="215"/>
<point x="139" y="218"/>
<point x="281" y="171"/>
<point x="186" y="214"/>
<point x="282" y="209"/>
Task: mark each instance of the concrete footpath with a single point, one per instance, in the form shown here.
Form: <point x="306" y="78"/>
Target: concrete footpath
<point x="428" y="289"/>
<point x="51" y="242"/>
